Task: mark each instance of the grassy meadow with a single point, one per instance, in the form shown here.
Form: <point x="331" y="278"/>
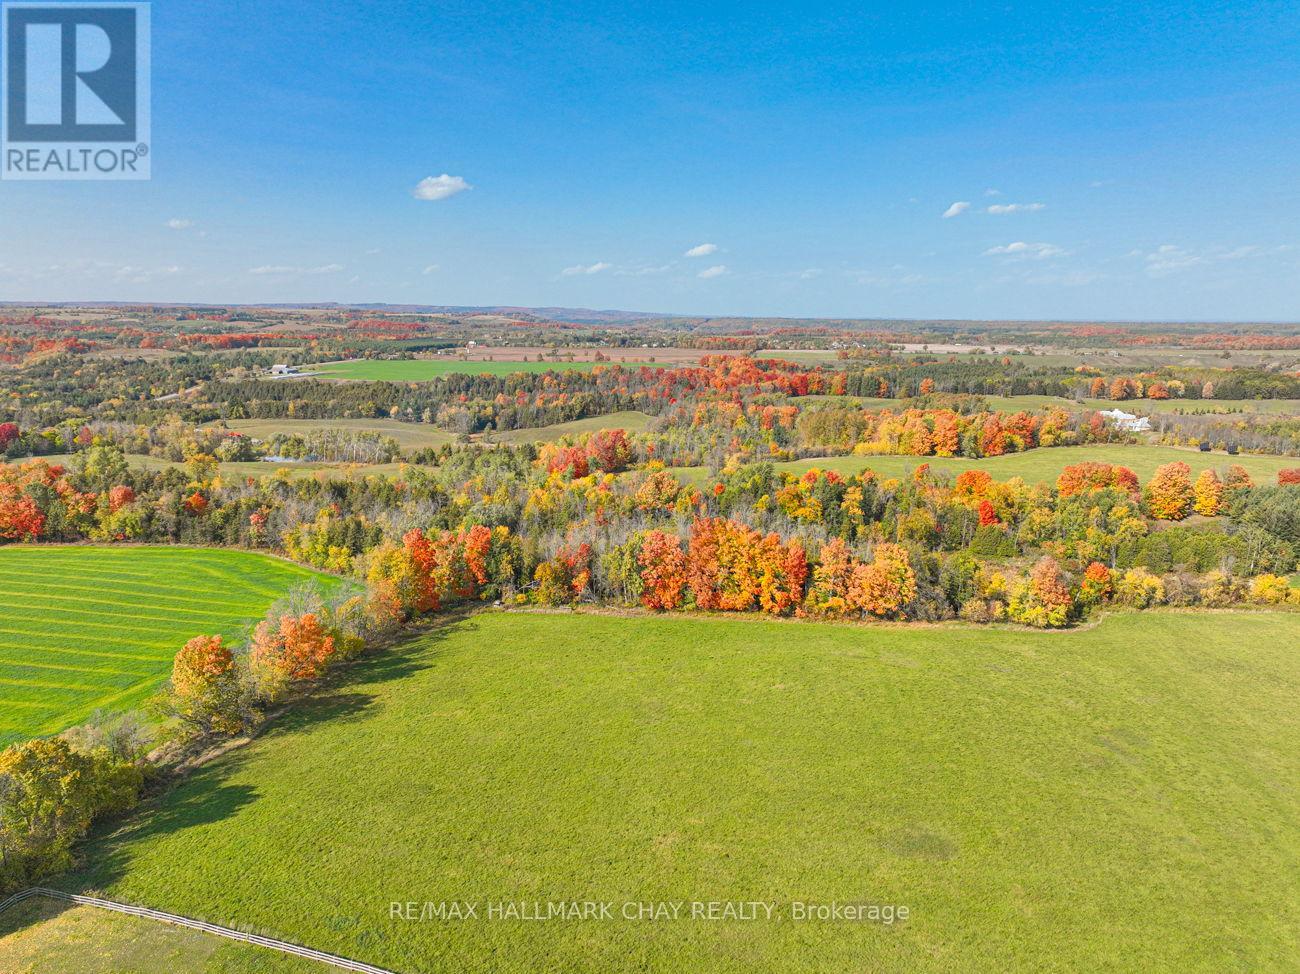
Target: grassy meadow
<point x="1037" y="465"/>
<point x="410" y="436"/>
<point x="83" y="628"/>
<point x="1138" y="407"/>
<point x="42" y="936"/>
<point x="426" y="370"/>
<point x="1123" y="797"/>
<point x="241" y="469"/>
<point x="630" y="420"/>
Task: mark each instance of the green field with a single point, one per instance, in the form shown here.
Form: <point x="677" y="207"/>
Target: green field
<point x="1119" y="798"/>
<point x="247" y="468"/>
<point x="42" y="936"/>
<point x="1149" y="407"/>
<point x="83" y="628"/>
<point x="426" y="370"/>
<point x="1036" y="465"/>
<point x="410" y="436"/>
<point x="630" y="420"/>
<point x="1138" y="407"/>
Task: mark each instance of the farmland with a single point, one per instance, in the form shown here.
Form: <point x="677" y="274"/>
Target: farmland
<point x="630" y="420"/>
<point x="1038" y="465"/>
<point x="45" y="937"/>
<point x="410" y="436"/>
<point x="1138" y="407"/>
<point x="83" y="628"/>
<point x="426" y="370"/>
<point x="242" y="469"/>
<point x="535" y="757"/>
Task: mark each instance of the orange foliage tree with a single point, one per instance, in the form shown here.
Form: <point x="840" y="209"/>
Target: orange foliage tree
<point x="204" y="691"/>
<point x="663" y="570"/>
<point x="1168" y="493"/>
<point x="297" y="649"/>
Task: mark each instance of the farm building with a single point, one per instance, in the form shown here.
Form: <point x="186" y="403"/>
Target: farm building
<point x="1126" y="421"/>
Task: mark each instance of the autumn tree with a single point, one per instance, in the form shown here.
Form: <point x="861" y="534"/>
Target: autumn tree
<point x="832" y="577"/>
<point x="295" y="648"/>
<point x="205" y="693"/>
<point x="1207" y="494"/>
<point x="565" y="578"/>
<point x="1168" y="493"/>
<point x="884" y="586"/>
<point x="1097" y="585"/>
<point x="663" y="570"/>
<point x="609" y="450"/>
<point x="1042" y="600"/>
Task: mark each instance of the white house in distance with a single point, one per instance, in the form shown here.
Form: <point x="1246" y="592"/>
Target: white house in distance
<point x="284" y="370"/>
<point x="1126" y="421"/>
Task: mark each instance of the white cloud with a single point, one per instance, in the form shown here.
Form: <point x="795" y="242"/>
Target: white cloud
<point x="1025" y="251"/>
<point x="578" y="269"/>
<point x="1017" y="207"/>
<point x="717" y="270"/>
<point x="431" y="269"/>
<point x="957" y="209"/>
<point x="808" y="273"/>
<point x="702" y="250"/>
<point x="1170" y="258"/>
<point x="288" y="269"/>
<point x="992" y="192"/>
<point x="176" y="223"/>
<point x="439" y="187"/>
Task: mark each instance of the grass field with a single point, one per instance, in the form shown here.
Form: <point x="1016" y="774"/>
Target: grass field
<point x="250" y="468"/>
<point x="1121" y="798"/>
<point x="410" y="436"/>
<point x="630" y="420"/>
<point x="1150" y="407"/>
<point x="1138" y="407"/>
<point x="426" y="370"/>
<point x="1037" y="465"/>
<point x="83" y="628"/>
<point x="40" y="936"/>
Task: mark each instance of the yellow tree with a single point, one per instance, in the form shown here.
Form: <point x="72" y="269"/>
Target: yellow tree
<point x="1207" y="494"/>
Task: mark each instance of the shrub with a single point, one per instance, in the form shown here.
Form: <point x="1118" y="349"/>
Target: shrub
<point x="1139" y="588"/>
<point x="1271" y="590"/>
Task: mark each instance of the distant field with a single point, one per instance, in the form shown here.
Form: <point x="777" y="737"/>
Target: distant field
<point x="1138" y="407"/>
<point x="426" y="370"/>
<point x="1077" y="801"/>
<point x="1150" y="407"/>
<point x="86" y="627"/>
<point x="629" y="420"/>
<point x="1039" y="465"/>
<point x="411" y="436"/>
<point x="249" y="468"/>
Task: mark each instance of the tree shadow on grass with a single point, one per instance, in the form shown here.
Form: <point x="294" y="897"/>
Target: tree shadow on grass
<point x="204" y="796"/>
<point x="28" y="913"/>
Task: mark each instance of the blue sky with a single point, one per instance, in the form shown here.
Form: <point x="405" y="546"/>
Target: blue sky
<point x="1129" y="160"/>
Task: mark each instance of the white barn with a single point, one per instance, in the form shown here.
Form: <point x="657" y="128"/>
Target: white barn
<point x="1127" y="421"/>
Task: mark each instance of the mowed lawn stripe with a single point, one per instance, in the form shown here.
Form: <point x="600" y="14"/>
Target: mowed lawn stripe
<point x="119" y="601"/>
<point x="136" y="593"/>
<point x="47" y="651"/>
<point x="139" y="583"/>
<point x="85" y="627"/>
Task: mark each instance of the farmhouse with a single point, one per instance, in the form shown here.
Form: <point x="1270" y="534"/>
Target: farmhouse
<point x="284" y="370"/>
<point x="1126" y="421"/>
